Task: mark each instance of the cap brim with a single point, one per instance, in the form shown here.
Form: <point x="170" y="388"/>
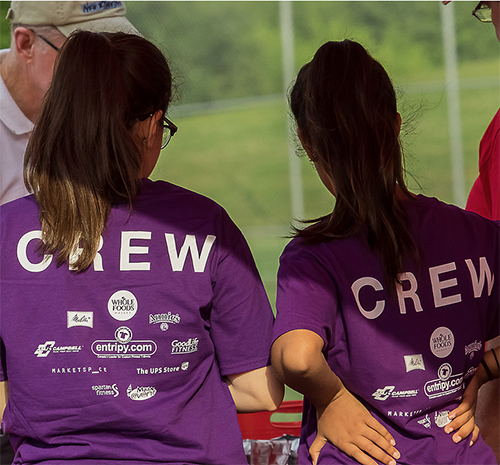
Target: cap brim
<point x="114" y="24"/>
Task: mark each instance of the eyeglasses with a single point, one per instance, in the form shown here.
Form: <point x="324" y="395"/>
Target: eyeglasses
<point x="47" y="41"/>
<point x="482" y="12"/>
<point x="169" y="129"/>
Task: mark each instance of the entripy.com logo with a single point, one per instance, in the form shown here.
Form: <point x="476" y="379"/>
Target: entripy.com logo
<point x="123" y="346"/>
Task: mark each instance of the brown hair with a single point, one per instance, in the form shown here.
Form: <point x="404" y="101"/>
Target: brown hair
<point x="344" y="104"/>
<point x="82" y="156"/>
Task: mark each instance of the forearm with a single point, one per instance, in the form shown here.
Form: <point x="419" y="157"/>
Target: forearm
<point x="488" y="369"/>
<point x="4" y="394"/>
<point x="256" y="390"/>
<point x="299" y="362"/>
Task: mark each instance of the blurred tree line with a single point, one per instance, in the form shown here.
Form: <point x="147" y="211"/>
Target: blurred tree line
<point x="232" y="49"/>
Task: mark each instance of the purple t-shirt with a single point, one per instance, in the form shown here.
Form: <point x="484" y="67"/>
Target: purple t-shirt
<point x="408" y="358"/>
<point x="124" y="363"/>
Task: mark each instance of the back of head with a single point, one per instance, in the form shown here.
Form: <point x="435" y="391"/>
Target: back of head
<point x="83" y="155"/>
<point x="345" y="106"/>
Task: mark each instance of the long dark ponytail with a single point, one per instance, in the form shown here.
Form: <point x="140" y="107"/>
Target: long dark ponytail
<point x="344" y="104"/>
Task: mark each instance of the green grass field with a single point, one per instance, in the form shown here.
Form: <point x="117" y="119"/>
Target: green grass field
<point x="239" y="157"/>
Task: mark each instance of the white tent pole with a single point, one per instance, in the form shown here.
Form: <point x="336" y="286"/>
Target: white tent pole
<point x="453" y="97"/>
<point x="287" y="46"/>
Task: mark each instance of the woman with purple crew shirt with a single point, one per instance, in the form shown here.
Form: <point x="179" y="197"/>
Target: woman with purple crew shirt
<point x="384" y="305"/>
<point x="134" y="321"/>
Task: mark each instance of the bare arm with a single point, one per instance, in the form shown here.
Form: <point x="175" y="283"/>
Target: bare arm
<point x="464" y="419"/>
<point x="4" y="395"/>
<point x="256" y="390"/>
<point x="298" y="360"/>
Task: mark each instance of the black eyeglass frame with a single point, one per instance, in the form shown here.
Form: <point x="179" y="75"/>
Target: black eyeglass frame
<point x="47" y="41"/>
<point x="167" y="124"/>
<point x="482" y="6"/>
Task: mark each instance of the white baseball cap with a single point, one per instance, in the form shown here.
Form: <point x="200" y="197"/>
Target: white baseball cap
<point x="98" y="16"/>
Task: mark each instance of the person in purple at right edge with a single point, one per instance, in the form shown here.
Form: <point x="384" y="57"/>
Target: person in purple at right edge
<point x="384" y="305"/>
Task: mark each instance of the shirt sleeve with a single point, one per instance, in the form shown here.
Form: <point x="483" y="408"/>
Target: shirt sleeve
<point x="307" y="297"/>
<point x="241" y="319"/>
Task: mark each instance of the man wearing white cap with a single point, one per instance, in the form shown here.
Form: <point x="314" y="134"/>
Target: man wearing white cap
<point x="38" y="29"/>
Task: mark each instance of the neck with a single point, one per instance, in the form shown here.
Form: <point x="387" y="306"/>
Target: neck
<point x="16" y="80"/>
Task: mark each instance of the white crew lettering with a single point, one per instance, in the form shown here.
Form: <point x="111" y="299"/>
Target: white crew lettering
<point x="409" y="293"/>
<point x="380" y="304"/>
<point x="22" y="253"/>
<point x="97" y="259"/>
<point x="438" y="286"/>
<point x="199" y="260"/>
<point x="127" y="249"/>
<point x="484" y="272"/>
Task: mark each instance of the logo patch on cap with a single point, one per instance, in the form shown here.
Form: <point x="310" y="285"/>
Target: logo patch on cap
<point x="94" y="7"/>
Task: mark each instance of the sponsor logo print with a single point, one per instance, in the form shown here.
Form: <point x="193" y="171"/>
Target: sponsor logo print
<point x="162" y="370"/>
<point x="44" y="350"/>
<point x="185" y="347"/>
<point x="426" y="422"/>
<point x="76" y="370"/>
<point x="446" y="384"/>
<point x="164" y="319"/>
<point x="470" y="372"/>
<point x="106" y="390"/>
<point x="414" y="362"/>
<point x="388" y="391"/>
<point x="141" y="392"/>
<point x="123" y="346"/>
<point x="403" y="414"/>
<point x="441" y="418"/>
<point x="80" y="319"/>
<point x="122" y="305"/>
<point x="473" y="347"/>
<point x="94" y="7"/>
<point x="442" y="342"/>
<point x="123" y="335"/>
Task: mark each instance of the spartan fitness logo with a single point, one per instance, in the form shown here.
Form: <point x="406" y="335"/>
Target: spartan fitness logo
<point x="123" y="346"/>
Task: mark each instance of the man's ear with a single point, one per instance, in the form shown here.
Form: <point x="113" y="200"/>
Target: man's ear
<point x="24" y="40"/>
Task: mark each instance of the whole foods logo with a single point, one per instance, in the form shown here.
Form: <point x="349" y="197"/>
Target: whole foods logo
<point x="442" y="342"/>
<point x="122" y="305"/>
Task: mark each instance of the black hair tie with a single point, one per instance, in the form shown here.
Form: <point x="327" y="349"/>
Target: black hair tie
<point x="488" y="372"/>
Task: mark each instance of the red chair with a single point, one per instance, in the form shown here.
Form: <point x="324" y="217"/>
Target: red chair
<point x="260" y="426"/>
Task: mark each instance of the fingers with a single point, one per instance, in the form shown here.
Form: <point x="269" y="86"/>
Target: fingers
<point x="475" y="435"/>
<point x="381" y="446"/>
<point x="316" y="447"/>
